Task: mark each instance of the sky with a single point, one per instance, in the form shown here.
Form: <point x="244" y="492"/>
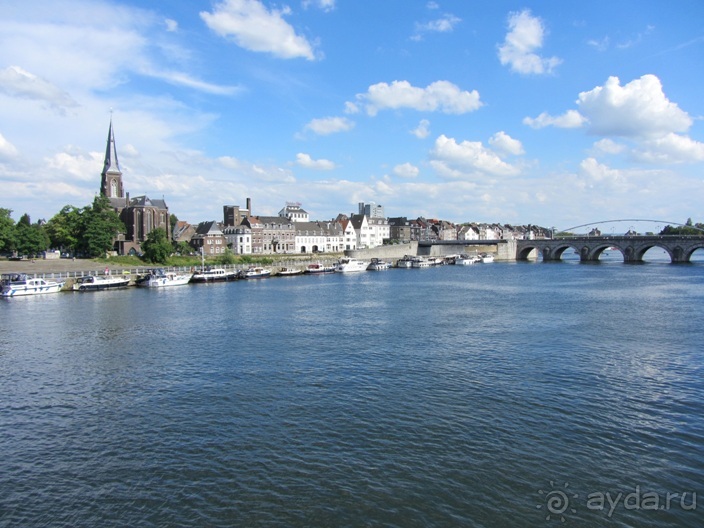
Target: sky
<point x="537" y="112"/>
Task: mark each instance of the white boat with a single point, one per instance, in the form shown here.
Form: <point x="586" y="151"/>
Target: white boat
<point x="466" y="260"/>
<point x="288" y="272"/>
<point x="420" y="262"/>
<point x="101" y="282"/>
<point x="405" y="262"/>
<point x="350" y="265"/>
<point x="378" y="265"/>
<point x="317" y="267"/>
<point x="214" y="275"/>
<point x="257" y="273"/>
<point x="486" y="258"/>
<point x="158" y="278"/>
<point x="18" y="284"/>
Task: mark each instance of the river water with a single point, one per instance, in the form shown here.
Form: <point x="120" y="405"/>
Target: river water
<point x="519" y="394"/>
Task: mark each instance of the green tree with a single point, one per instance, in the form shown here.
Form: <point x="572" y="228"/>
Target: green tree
<point x="31" y="239"/>
<point x="182" y="248"/>
<point x="100" y="226"/>
<point x="7" y="230"/>
<point x="173" y="219"/>
<point x="227" y="258"/>
<point x="156" y="247"/>
<point x="65" y="229"/>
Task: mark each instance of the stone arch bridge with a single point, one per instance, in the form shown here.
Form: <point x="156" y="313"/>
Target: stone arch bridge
<point x="589" y="248"/>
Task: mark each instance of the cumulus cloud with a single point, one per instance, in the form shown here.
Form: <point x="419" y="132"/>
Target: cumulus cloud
<point x="442" y="96"/>
<point x="16" y="82"/>
<point x="608" y="146"/>
<point x="505" y="144"/>
<point x="524" y="38"/>
<point x="329" y="125"/>
<point x="255" y="28"/>
<point x="639" y="109"/>
<point x="7" y="149"/>
<point x="304" y="160"/>
<point x="422" y="130"/>
<point x="458" y="160"/>
<point x="669" y="149"/>
<point x="570" y="119"/>
<point x="406" y="170"/>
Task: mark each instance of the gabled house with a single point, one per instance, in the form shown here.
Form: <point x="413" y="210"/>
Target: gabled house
<point x="209" y="239"/>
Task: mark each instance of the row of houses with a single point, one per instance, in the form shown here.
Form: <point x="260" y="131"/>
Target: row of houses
<point x="292" y="231"/>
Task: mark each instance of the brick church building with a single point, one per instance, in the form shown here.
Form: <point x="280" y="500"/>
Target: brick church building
<point x="139" y="214"/>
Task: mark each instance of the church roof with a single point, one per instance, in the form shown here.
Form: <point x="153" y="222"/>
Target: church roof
<point x="111" y="164"/>
<point x="145" y="201"/>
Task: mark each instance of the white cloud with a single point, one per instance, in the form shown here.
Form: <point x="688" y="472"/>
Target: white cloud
<point x="444" y="24"/>
<point x="639" y="109"/>
<point x="329" y="125"/>
<point x="253" y="27"/>
<point x="525" y="36"/>
<point x="608" y="146"/>
<point x="458" y="160"/>
<point x="504" y="143"/>
<point x="7" y="149"/>
<point x="671" y="148"/>
<point x="304" y="160"/>
<point x="406" y="170"/>
<point x="325" y="5"/>
<point x="570" y="119"/>
<point x="439" y="96"/>
<point x="422" y="130"/>
<point x="16" y="82"/>
<point x="171" y="25"/>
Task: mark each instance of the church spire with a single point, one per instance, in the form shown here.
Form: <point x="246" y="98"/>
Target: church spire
<point x="111" y="177"/>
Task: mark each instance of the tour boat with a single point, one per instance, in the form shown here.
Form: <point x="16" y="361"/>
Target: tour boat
<point x="18" y="284"/>
<point x="158" y="278"/>
<point x="317" y="267"/>
<point x="100" y="282"/>
<point x="257" y="273"/>
<point x="214" y="275"/>
<point x="349" y="265"/>
<point x="378" y="265"/>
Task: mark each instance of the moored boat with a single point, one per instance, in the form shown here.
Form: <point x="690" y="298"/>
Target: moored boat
<point x="466" y="260"/>
<point x="420" y="262"/>
<point x="288" y="272"/>
<point x="257" y="273"/>
<point x="158" y="278"/>
<point x="19" y="284"/>
<point x="100" y="282"/>
<point x="406" y="262"/>
<point x="349" y="265"/>
<point x="318" y="267"/>
<point x="214" y="275"/>
<point x="487" y="258"/>
<point x="378" y="265"/>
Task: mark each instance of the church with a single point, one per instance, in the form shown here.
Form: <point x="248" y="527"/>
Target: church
<point x="139" y="214"/>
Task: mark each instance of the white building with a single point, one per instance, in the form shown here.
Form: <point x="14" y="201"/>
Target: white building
<point x="371" y="210"/>
<point x="239" y="239"/>
<point x="294" y="212"/>
<point x="318" y="237"/>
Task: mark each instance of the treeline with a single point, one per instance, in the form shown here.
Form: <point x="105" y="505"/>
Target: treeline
<point x="88" y="231"/>
<point x="688" y="228"/>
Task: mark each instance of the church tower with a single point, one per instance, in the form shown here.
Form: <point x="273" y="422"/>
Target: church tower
<point x="111" y="177"/>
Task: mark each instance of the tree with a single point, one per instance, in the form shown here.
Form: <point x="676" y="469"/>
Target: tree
<point x="100" y="226"/>
<point x="65" y="229"/>
<point x="173" y="219"/>
<point x="31" y="239"/>
<point x="157" y="247"/>
<point x="227" y="258"/>
<point x="7" y="230"/>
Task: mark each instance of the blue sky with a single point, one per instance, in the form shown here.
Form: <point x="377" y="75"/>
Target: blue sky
<point x="551" y="113"/>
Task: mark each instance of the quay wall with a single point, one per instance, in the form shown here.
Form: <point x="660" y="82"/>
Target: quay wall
<point x="390" y="252"/>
